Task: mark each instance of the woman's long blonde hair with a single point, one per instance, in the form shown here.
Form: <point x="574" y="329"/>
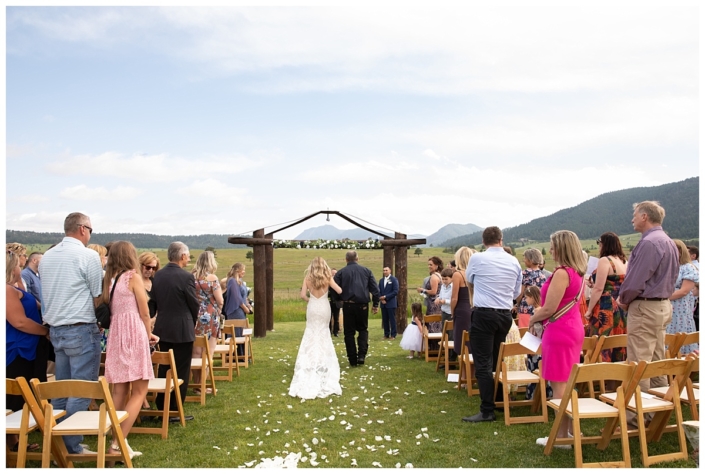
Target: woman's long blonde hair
<point x="318" y="273"/>
<point x="205" y="265"/>
<point x="568" y="252"/>
<point x="462" y="260"/>
<point x="234" y="270"/>
<point x="12" y="261"/>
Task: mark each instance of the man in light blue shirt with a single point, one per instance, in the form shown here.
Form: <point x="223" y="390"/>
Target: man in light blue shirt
<point x="30" y="274"/>
<point x="497" y="279"/>
<point x="71" y="285"/>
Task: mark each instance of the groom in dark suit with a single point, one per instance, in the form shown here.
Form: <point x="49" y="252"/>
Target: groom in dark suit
<point x="388" y="291"/>
<point x="174" y="293"/>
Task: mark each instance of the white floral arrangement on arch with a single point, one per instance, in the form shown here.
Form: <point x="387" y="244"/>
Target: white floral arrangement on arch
<point x="345" y="244"/>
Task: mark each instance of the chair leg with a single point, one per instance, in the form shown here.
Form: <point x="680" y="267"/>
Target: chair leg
<point x="505" y="397"/>
<point x="577" y="442"/>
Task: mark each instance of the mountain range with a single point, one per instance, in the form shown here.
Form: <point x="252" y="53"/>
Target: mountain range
<point x="610" y="212"/>
<point x="330" y="232"/>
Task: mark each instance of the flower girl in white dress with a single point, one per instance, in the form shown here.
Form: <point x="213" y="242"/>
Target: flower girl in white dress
<point x="412" y="340"/>
<point x="317" y="372"/>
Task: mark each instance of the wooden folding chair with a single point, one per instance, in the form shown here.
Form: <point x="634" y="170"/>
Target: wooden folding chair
<point x="582" y="408"/>
<point x="662" y="408"/>
<point x="522" y="331"/>
<point x="28" y="420"/>
<point x="205" y="365"/>
<point x="588" y="349"/>
<point x="444" y="349"/>
<point x="467" y="367"/>
<point x="689" y="394"/>
<point x="687" y="338"/>
<point x="165" y="385"/>
<point x="226" y="351"/>
<point x="429" y="336"/>
<point x="245" y="340"/>
<point x="673" y="344"/>
<point x="514" y="377"/>
<point x="86" y="423"/>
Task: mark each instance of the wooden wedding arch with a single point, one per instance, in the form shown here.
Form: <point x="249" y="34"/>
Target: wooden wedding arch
<point x="394" y="256"/>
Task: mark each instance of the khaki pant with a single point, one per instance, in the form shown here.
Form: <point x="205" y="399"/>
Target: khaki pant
<point x="646" y="329"/>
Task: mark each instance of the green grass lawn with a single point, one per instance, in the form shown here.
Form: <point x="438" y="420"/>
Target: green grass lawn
<point x="392" y="410"/>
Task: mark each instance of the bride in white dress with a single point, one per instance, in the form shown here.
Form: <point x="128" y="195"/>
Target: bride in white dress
<point x="317" y="372"/>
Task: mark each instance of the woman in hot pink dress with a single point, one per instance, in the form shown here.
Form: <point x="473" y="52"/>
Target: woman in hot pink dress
<point x="562" y="339"/>
<point x="127" y="360"/>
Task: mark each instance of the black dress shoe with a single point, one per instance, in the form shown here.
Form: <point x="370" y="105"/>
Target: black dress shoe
<point x="335" y="334"/>
<point x="361" y="361"/>
<point x="353" y="363"/>
<point x="176" y="419"/>
<point x="479" y="417"/>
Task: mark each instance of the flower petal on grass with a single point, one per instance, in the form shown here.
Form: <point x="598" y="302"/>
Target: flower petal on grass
<point x="409" y="465"/>
<point x="473" y="459"/>
<point x="376" y="464"/>
<point x="424" y="429"/>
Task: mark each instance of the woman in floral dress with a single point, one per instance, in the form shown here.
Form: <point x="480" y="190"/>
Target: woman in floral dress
<point x="682" y="299"/>
<point x="604" y="316"/>
<point x="210" y="300"/>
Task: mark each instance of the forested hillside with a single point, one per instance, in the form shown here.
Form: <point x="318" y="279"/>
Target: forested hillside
<point x="610" y="212"/>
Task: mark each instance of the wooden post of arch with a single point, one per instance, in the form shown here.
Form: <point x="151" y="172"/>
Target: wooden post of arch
<point x="269" y="254"/>
<point x="388" y="257"/>
<point x="260" y="270"/>
<point x="400" y="271"/>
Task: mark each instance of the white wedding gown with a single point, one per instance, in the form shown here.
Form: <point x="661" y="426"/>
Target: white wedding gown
<point x="317" y="372"/>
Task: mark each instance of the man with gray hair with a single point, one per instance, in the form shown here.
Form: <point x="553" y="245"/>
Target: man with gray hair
<point x="174" y="295"/>
<point x="72" y="278"/>
<point x="357" y="283"/>
<point x="649" y="282"/>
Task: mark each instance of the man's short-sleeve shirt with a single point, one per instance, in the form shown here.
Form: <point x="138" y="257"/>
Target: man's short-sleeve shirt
<point x="71" y="277"/>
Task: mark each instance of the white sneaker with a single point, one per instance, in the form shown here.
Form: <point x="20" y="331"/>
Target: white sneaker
<point x="133" y="454"/>
<point x="87" y="451"/>
<point x="543" y="441"/>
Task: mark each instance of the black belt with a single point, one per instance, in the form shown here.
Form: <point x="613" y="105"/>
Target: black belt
<point x="650" y="299"/>
<point x="71" y="325"/>
<point x="354" y="302"/>
<point x="501" y="311"/>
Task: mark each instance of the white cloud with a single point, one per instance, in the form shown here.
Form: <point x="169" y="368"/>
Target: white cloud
<point x="441" y="50"/>
<point x="28" y="198"/>
<point x="160" y="168"/>
<point x="84" y="193"/>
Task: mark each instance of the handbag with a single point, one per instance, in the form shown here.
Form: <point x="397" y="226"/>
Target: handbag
<point x="102" y="312"/>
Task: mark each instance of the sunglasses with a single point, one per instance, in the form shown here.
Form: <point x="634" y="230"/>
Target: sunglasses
<point x="149" y="267"/>
<point x="598" y="241"/>
<point x="90" y="229"/>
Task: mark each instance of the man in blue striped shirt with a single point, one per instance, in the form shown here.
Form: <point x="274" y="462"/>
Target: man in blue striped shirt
<point x="71" y="285"/>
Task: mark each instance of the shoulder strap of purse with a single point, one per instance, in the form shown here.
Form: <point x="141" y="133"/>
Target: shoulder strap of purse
<point x="112" y="290"/>
<point x="568" y="305"/>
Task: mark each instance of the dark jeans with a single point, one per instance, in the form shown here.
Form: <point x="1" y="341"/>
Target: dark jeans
<point x="335" y="317"/>
<point x="389" y="321"/>
<point x="355" y="320"/>
<point x="182" y="358"/>
<point x="489" y="329"/>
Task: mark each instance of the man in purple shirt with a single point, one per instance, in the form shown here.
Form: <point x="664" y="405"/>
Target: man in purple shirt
<point x="650" y="280"/>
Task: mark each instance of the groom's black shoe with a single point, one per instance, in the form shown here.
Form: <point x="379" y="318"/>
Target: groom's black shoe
<point x="361" y="361"/>
<point x="353" y="363"/>
<point x="479" y="417"/>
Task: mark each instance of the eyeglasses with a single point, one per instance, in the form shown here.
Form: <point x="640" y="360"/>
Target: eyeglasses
<point x="90" y="229"/>
<point x="150" y="267"/>
<point x="598" y="241"/>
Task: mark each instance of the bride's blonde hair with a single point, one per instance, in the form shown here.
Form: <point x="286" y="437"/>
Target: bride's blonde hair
<point x="318" y="273"/>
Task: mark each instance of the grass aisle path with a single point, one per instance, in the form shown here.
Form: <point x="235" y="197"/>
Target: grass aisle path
<point x="392" y="410"/>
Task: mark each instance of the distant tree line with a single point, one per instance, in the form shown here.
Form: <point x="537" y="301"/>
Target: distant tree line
<point x="143" y="241"/>
<point x="610" y="212"/>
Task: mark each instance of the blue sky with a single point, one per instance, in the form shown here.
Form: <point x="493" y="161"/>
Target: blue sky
<point x="224" y="120"/>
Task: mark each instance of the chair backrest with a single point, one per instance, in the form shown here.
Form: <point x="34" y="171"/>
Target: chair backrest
<point x="202" y="342"/>
<point x="589" y="372"/>
<point x="522" y="331"/>
<point x="72" y="388"/>
<point x="228" y="330"/>
<point x="674" y="343"/>
<point x="687" y="338"/>
<point x="589" y="344"/>
<point x="238" y="323"/>
<point x="678" y="368"/>
<point x="508" y="349"/>
<point x="431" y="318"/>
<point x="447" y="326"/>
<point x="608" y="342"/>
<point x="20" y="386"/>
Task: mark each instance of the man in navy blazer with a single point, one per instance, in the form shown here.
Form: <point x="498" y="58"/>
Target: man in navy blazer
<point x="388" y="290"/>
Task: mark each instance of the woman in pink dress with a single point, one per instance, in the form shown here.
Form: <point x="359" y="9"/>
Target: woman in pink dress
<point x="562" y="339"/>
<point x="127" y="360"/>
